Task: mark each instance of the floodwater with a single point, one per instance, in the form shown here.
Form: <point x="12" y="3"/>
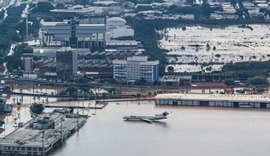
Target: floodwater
<point x="189" y="131"/>
<point x="225" y="45"/>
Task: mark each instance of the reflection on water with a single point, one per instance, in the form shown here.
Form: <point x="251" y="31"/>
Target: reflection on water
<point x="188" y="131"/>
<point x="20" y="114"/>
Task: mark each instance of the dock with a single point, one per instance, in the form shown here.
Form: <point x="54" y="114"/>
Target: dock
<point x="41" y="135"/>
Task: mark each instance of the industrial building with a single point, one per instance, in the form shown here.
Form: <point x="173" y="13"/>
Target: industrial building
<point x="135" y="68"/>
<point x="41" y="135"/>
<point x="214" y="100"/>
<point x="73" y="34"/>
<point x="124" y="45"/>
<point x="66" y="63"/>
<point x="175" y="81"/>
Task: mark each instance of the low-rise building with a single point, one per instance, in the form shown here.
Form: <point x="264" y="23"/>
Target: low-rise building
<point x="214" y="100"/>
<point x="41" y="135"/>
<point x="175" y="81"/>
<point x="124" y="45"/>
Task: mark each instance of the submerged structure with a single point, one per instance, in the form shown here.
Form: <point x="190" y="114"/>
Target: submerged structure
<point x="41" y="135"/>
<point x="214" y="100"/>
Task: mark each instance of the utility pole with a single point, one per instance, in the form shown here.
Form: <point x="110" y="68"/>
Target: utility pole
<point x="95" y="95"/>
<point x="83" y="102"/>
<point x="61" y="129"/>
<point x="77" y="120"/>
<point x="43" y="148"/>
<point x="26" y="22"/>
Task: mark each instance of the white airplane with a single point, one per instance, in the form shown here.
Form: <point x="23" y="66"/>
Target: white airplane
<point x="147" y="119"/>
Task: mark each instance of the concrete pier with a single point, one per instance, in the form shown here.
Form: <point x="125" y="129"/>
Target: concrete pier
<point x="41" y="135"/>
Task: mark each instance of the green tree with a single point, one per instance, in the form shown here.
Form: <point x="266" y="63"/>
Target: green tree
<point x="72" y="90"/>
<point x="82" y="79"/>
<point x="229" y="82"/>
<point x="2" y="122"/>
<point x="257" y="80"/>
<point x="37" y="108"/>
<point x="43" y="7"/>
<point x="14" y="62"/>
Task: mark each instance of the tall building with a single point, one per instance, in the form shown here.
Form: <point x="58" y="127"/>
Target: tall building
<point x="66" y="63"/>
<point x="73" y="34"/>
<point x="28" y="62"/>
<point x="135" y="68"/>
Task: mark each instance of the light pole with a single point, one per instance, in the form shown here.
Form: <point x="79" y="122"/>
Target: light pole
<point x="83" y="103"/>
<point x="43" y="144"/>
<point x="62" y="129"/>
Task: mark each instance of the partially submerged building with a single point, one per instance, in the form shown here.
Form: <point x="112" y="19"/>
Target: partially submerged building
<point x="214" y="100"/>
<point x="40" y="135"/>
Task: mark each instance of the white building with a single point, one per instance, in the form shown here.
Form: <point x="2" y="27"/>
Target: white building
<point x="135" y="68"/>
<point x="116" y="27"/>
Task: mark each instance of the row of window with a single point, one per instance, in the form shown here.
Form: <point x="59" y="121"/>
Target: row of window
<point x="11" y="148"/>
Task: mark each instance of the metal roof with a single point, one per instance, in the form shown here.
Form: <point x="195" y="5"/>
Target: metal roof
<point x="216" y="97"/>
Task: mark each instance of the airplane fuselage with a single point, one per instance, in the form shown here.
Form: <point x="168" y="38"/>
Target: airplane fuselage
<point x="151" y="118"/>
<point x="148" y="119"/>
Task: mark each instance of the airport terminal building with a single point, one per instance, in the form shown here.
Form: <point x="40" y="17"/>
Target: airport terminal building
<point x="73" y="34"/>
<point x="214" y="100"/>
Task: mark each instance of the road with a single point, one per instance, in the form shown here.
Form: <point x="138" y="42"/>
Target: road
<point x="125" y="89"/>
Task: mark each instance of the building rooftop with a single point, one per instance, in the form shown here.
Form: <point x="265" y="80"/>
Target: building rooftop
<point x="168" y="78"/>
<point x="216" y="97"/>
<point x="66" y="23"/>
<point x="138" y="58"/>
<point x="28" y="137"/>
<point x="122" y="43"/>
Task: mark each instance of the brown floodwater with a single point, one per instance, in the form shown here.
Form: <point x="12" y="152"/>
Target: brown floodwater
<point x="189" y="131"/>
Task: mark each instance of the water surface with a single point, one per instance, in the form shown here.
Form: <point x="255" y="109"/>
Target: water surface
<point x="189" y="131"/>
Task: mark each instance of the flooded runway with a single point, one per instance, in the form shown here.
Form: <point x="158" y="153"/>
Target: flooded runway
<point x="189" y="131"/>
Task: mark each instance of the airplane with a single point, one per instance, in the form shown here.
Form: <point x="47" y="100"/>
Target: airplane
<point x="148" y="119"/>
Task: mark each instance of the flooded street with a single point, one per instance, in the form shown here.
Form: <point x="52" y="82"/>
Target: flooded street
<point x="189" y="131"/>
<point x="197" y="45"/>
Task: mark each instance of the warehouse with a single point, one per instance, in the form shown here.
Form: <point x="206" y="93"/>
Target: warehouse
<point x="214" y="100"/>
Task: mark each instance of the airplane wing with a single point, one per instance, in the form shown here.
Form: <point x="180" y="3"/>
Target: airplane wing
<point x="146" y="120"/>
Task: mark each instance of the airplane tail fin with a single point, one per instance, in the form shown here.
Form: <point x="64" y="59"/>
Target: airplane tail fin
<point x="163" y="114"/>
